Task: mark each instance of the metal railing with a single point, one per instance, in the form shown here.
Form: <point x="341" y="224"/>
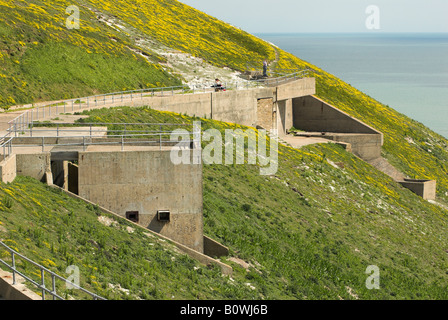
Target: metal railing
<point x="93" y="128"/>
<point x="86" y="132"/>
<point x="5" y="147"/>
<point x="43" y="271"/>
<point x="23" y="121"/>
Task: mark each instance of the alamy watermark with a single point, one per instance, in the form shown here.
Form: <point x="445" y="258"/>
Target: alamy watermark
<point x="229" y="149"/>
<point x="373" y="280"/>
<point x="73" y="278"/>
<point x="72" y="21"/>
<point x="373" y="18"/>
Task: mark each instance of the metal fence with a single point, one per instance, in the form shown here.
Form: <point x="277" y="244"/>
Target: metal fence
<point x="22" y="122"/>
<point x="5" y="147"/>
<point x="43" y="271"/>
<point x="83" y="134"/>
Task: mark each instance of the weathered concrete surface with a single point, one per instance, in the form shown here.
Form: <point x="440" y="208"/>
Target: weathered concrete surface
<point x="298" y="88"/>
<point x="145" y="182"/>
<point x="284" y="117"/>
<point x="8" y="169"/>
<point x="34" y="165"/>
<point x="202" y="258"/>
<point x="298" y="142"/>
<point x="424" y="188"/>
<point x="313" y="114"/>
<point x="365" y="146"/>
<point x="384" y="166"/>
<point x="265" y="113"/>
<point x="19" y="291"/>
<point x="213" y="248"/>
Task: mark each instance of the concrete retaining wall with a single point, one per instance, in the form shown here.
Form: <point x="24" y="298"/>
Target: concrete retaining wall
<point x="234" y="106"/>
<point x="8" y="169"/>
<point x="214" y="249"/>
<point x="34" y="165"/>
<point x="202" y="258"/>
<point x="299" y="88"/>
<point x="312" y="114"/>
<point x="19" y="291"/>
<point x="146" y="182"/>
<point x="365" y="146"/>
<point x="424" y="188"/>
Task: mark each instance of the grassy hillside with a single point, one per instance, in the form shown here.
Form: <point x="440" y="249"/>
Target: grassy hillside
<point x="41" y="60"/>
<point x="310" y="231"/>
<point x="116" y="260"/>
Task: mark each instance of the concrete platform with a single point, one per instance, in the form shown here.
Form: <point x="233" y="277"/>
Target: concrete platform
<point x="301" y="141"/>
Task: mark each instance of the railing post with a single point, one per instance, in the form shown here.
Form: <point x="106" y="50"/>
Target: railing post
<point x="13" y="268"/>
<point x="53" y="280"/>
<point x="42" y="272"/>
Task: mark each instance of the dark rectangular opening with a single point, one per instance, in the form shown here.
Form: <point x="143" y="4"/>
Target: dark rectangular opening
<point x="163" y="216"/>
<point x="132" y="216"/>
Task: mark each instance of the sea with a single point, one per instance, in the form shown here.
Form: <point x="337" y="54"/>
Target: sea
<point x="407" y="71"/>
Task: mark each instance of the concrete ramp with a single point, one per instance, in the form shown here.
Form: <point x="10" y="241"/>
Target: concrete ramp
<point x="384" y="166"/>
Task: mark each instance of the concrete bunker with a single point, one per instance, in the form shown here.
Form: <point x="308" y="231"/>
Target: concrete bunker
<point x="145" y="187"/>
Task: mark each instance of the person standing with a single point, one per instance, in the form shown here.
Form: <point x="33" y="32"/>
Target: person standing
<point x="265" y="68"/>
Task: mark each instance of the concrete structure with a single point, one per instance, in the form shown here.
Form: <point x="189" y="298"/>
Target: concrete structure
<point x="211" y="247"/>
<point x="322" y="119"/>
<point x="146" y="187"/>
<point x="8" y="169"/>
<point x="19" y="291"/>
<point x="424" y="188"/>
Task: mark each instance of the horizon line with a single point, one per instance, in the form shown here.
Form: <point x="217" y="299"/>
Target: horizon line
<point x="354" y="32"/>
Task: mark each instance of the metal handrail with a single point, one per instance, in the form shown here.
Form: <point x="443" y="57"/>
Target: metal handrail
<point x="121" y="141"/>
<point x="22" y="121"/>
<point x="43" y="270"/>
<point x="5" y="147"/>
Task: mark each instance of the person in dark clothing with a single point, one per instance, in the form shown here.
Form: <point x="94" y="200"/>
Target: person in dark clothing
<point x="265" y="68"/>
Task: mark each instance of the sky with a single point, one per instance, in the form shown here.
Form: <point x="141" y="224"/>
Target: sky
<point x="322" y="16"/>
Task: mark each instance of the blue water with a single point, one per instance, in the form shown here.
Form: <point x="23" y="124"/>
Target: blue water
<point x="408" y="72"/>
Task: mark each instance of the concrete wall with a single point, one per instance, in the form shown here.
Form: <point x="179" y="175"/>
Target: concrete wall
<point x="214" y="249"/>
<point x="202" y="258"/>
<point x="313" y="114"/>
<point x="265" y="114"/>
<point x="18" y="291"/>
<point x="298" y="88"/>
<point x="234" y="106"/>
<point x="146" y="181"/>
<point x="34" y="165"/>
<point x="365" y="146"/>
<point x="424" y="188"/>
<point x="284" y="116"/>
<point x="8" y="169"/>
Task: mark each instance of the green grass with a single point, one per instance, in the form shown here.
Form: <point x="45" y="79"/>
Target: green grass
<point x="311" y="230"/>
<point x="57" y="231"/>
<point x="41" y="60"/>
<point x="315" y="229"/>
